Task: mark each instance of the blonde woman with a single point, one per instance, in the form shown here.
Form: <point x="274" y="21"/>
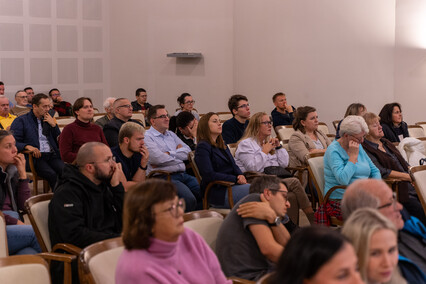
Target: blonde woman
<point x="375" y="241"/>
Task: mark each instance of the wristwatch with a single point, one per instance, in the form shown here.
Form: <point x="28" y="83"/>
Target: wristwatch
<point x="277" y="221"/>
<point x="142" y="168"/>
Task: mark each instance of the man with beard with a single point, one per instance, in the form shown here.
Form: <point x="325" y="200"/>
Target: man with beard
<point x="62" y="107"/>
<point x="88" y="203"/>
<point x="132" y="153"/>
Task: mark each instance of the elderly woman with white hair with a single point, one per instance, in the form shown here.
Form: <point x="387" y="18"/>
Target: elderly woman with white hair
<point x="345" y="160"/>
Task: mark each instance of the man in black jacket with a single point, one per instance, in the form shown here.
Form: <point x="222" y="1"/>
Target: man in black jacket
<point x="88" y="202"/>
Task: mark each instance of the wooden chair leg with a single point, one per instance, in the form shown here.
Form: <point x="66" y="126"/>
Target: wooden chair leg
<point x="35" y="187"/>
<point x="46" y="187"/>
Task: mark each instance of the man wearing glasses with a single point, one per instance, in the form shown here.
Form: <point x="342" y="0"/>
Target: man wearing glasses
<point x="233" y="129"/>
<point x="62" y="107"/>
<point x="167" y="152"/>
<point x="373" y="193"/>
<point x="253" y="236"/>
<point x="87" y="207"/>
<point x="122" y="110"/>
<point x="21" y="106"/>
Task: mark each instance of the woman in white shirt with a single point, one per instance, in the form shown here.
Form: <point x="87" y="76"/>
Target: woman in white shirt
<point x="257" y="150"/>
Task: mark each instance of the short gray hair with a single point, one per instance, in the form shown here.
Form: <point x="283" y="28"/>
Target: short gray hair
<point x="107" y="102"/>
<point x="358" y="195"/>
<point x="265" y="181"/>
<point x="353" y="124"/>
<point x="19" y="91"/>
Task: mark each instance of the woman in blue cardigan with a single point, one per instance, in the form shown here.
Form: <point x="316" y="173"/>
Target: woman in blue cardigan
<point x="216" y="163"/>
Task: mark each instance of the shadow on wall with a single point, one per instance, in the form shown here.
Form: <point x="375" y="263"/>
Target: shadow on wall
<point x="184" y="67"/>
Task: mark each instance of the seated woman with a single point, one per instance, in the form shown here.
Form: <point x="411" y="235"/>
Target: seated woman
<point x="158" y="248"/>
<point x="344" y="162"/>
<point x="353" y="109"/>
<point x="391" y="164"/>
<point x="376" y="244"/>
<point x="316" y="255"/>
<point x="394" y="128"/>
<point x="256" y="151"/>
<point x="186" y="103"/>
<point x="215" y="162"/>
<point x="14" y="192"/>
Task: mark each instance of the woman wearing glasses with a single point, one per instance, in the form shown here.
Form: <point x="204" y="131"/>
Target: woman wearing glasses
<point x="186" y="103"/>
<point x="394" y="128"/>
<point x="375" y="241"/>
<point x="216" y="163"/>
<point x="344" y="162"/>
<point x="391" y="164"/>
<point x="257" y="151"/>
<point x="158" y="248"/>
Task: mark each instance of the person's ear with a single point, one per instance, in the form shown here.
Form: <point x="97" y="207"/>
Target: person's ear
<point x="234" y="111"/>
<point x="267" y="194"/>
<point x="126" y="140"/>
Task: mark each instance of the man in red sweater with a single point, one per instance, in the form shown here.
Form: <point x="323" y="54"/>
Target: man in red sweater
<point x="82" y="130"/>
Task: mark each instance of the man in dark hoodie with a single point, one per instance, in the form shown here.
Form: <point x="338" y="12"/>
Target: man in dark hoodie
<point x="88" y="202"/>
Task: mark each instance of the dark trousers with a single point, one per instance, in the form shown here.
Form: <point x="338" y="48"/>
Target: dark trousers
<point x="49" y="166"/>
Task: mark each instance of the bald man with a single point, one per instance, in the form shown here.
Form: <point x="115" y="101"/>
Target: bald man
<point x="88" y="202"/>
<point x="373" y="193"/>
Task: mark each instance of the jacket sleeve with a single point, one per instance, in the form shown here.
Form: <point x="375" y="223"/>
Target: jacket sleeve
<point x="375" y="172"/>
<point x="156" y="156"/>
<point x="298" y="147"/>
<point x="65" y="145"/>
<point x="205" y="166"/>
<point x="111" y="136"/>
<point x="251" y="158"/>
<point x="17" y="128"/>
<point x="342" y="170"/>
<point x="23" y="193"/>
<point x="182" y="152"/>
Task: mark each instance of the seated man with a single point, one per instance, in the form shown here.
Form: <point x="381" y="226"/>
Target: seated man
<point x="141" y="104"/>
<point x="132" y="153"/>
<point x="81" y="131"/>
<point x="283" y="112"/>
<point x="248" y="245"/>
<point x="30" y="94"/>
<point x="6" y="118"/>
<point x="167" y="152"/>
<point x="37" y="132"/>
<point x="186" y="128"/>
<point x="88" y="205"/>
<point x="62" y="107"/>
<point x="233" y="129"/>
<point x="372" y="193"/>
<point x="122" y="113"/>
<point x="109" y="112"/>
<point x="21" y="106"/>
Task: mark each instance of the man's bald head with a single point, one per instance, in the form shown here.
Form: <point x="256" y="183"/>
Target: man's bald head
<point x="88" y="153"/>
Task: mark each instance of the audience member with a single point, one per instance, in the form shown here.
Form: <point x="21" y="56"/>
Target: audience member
<point x="132" y="153"/>
<point x="14" y="190"/>
<point x="62" y="107"/>
<point x="37" y="132"/>
<point x="392" y="165"/>
<point x="158" y="248"/>
<point x="21" y="106"/>
<point x="316" y="255"/>
<point x="257" y="151"/>
<point x="186" y="103"/>
<point x="87" y="206"/>
<point x="81" y="131"/>
<point x="233" y="128"/>
<point x="353" y="109"/>
<point x="283" y="112"/>
<point x="167" y="152"/>
<point x="6" y="118"/>
<point x="247" y="247"/>
<point x="186" y="128"/>
<point x="141" y="104"/>
<point x="122" y="113"/>
<point x="109" y="110"/>
<point x="344" y="162"/>
<point x="376" y="194"/>
<point x="394" y="128"/>
<point x="1" y="88"/>
<point x="215" y="162"/>
<point x="375" y="241"/>
<point x="30" y="94"/>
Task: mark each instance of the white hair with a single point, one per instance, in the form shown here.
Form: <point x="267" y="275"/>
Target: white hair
<point x="352" y="125"/>
<point x="108" y="103"/>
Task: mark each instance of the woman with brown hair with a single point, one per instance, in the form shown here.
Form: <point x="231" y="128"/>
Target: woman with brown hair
<point x="215" y="162"/>
<point x="159" y="249"/>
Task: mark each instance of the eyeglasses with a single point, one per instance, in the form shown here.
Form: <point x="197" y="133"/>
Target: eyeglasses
<point x="284" y="193"/>
<point x="174" y="209"/>
<point x="164" y="116"/>
<point x="189" y="102"/>
<point x="266" y="122"/>
<point x="109" y="160"/>
<point x="23" y="97"/>
<point x="243" y="106"/>
<point x="55" y="95"/>
<point x="125" y="106"/>
<point x="359" y="140"/>
<point x="390" y="203"/>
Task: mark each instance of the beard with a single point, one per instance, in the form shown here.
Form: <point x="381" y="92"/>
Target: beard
<point x="106" y="177"/>
<point x="133" y="148"/>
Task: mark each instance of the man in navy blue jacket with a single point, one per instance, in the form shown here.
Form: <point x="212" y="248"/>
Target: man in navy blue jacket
<point x="37" y="132"/>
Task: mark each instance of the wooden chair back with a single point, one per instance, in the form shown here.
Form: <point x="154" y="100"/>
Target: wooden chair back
<point x="418" y="175"/>
<point x="3" y="237"/>
<point x="65" y="120"/>
<point x="284" y="132"/>
<point x="335" y="124"/>
<point x="416" y="131"/>
<point x="322" y="126"/>
<point x="423" y="125"/>
<point x="139" y="117"/>
<point x="24" y="269"/>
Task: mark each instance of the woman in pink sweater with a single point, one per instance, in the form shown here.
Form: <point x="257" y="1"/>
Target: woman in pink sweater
<point x="158" y="247"/>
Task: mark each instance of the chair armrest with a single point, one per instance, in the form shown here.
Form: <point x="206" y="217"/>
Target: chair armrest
<point x="63" y="257"/>
<point x="155" y="173"/>
<point x="227" y="184"/>
<point x="236" y="280"/>
<point x="250" y="175"/>
<point x="72" y="249"/>
<point x="327" y="196"/>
